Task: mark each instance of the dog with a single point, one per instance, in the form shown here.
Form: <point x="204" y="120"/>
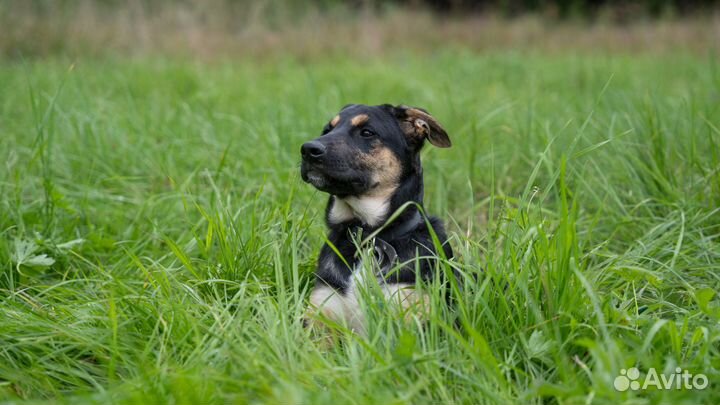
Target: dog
<point x="368" y="160"/>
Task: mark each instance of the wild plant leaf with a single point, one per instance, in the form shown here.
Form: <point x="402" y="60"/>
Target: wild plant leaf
<point x="704" y="298"/>
<point x="25" y="255"/>
<point x="538" y="345"/>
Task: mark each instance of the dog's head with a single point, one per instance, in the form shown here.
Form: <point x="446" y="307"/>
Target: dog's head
<point x="367" y="150"/>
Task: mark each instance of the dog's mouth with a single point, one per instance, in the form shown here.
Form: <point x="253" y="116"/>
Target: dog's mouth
<point x="315" y="178"/>
<point x="340" y="183"/>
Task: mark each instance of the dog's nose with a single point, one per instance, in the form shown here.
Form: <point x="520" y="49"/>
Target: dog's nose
<point x="312" y="150"/>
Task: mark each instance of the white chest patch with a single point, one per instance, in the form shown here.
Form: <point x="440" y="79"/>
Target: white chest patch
<point x="369" y="210"/>
<point x="340" y="211"/>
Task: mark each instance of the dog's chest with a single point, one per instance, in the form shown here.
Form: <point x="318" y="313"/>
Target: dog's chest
<point x="369" y="210"/>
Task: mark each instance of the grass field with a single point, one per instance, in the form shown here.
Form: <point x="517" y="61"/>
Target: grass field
<point x="157" y="243"/>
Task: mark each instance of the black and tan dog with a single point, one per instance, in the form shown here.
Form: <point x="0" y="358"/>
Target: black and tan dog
<point x="368" y="160"/>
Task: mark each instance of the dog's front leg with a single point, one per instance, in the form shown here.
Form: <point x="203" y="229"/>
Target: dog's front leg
<point x="329" y="306"/>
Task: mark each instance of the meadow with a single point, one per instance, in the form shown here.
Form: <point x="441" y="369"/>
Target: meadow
<point x="157" y="243"/>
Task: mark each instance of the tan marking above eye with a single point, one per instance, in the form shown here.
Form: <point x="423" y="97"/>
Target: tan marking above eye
<point x="335" y="120"/>
<point x="359" y="120"/>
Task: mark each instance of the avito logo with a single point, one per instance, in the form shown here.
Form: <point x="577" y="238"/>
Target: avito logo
<point x="681" y="379"/>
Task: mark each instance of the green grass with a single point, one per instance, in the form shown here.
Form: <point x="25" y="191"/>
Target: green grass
<point x="157" y="243"/>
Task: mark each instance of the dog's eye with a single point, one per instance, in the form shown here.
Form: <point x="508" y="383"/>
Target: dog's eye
<point x="366" y="133"/>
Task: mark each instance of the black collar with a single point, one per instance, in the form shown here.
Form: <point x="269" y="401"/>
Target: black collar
<point x="385" y="253"/>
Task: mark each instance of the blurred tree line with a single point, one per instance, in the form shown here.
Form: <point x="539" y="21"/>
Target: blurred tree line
<point x="313" y="27"/>
<point x="566" y="8"/>
<point x="610" y="9"/>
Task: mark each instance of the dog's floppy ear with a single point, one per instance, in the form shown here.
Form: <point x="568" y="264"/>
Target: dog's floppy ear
<point x="418" y="125"/>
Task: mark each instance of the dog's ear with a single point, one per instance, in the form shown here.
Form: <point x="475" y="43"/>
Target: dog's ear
<point x="418" y="125"/>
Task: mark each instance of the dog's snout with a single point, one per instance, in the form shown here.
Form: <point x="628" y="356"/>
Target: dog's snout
<point x="312" y="150"/>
